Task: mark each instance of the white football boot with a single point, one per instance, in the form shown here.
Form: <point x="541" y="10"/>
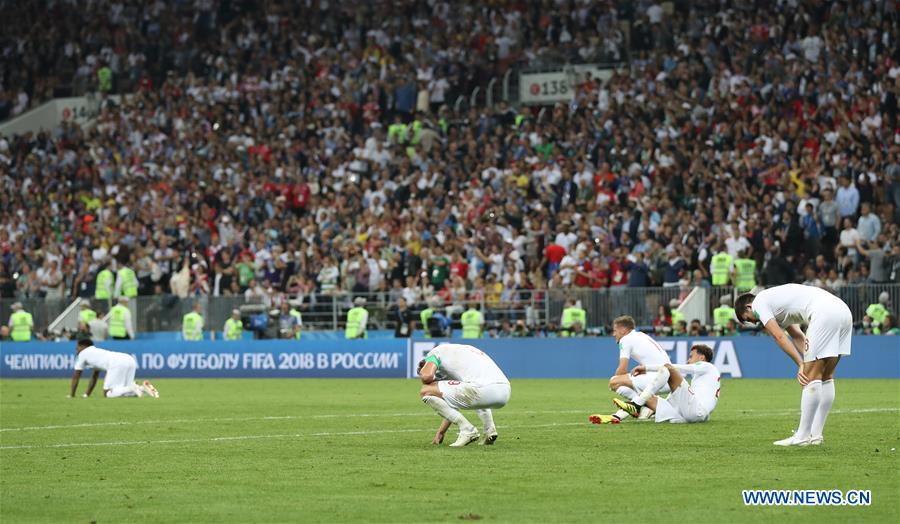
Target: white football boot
<point x="466" y="437"/>
<point x="793" y="440"/>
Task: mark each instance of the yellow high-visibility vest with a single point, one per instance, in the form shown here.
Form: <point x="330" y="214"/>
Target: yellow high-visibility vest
<point x="117" y="326"/>
<point x="104" y="285"/>
<point x="354" y="323"/>
<point x="471" y="323"/>
<point x="22" y="324"/>
<point x="233" y="329"/>
<point x="719" y="267"/>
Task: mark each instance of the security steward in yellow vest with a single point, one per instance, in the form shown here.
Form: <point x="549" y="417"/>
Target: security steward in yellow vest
<point x="192" y="324"/>
<point x="878" y="311"/>
<point x="572" y="315"/>
<point x="472" y="322"/>
<point x="424" y="316"/>
<point x="20" y="324"/>
<point x="357" y="318"/>
<point x="723" y="313"/>
<point x="234" y="328"/>
<point x="103" y="288"/>
<point x="676" y="315"/>
<point x="744" y="274"/>
<point x="118" y="321"/>
<point x="720" y="268"/>
<point x="126" y="283"/>
<point x="298" y="327"/>
<point x="86" y="315"/>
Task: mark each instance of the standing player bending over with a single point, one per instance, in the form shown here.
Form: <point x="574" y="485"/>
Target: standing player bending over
<point x="688" y="402"/>
<point x="120" y="369"/>
<point x="474" y="382"/>
<point x="639" y="346"/>
<point x="829" y="329"/>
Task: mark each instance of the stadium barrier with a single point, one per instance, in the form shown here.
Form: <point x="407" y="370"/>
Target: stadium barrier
<point x="329" y="312"/>
<point x="736" y="357"/>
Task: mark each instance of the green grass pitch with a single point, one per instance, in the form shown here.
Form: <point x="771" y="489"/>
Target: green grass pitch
<point x="359" y="450"/>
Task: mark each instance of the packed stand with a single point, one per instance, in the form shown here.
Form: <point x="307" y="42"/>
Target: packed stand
<point x="278" y="152"/>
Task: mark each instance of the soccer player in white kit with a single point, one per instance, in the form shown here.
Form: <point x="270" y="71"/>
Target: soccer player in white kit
<point x="688" y="402"/>
<point x="638" y="346"/>
<point x="459" y="376"/>
<point x="119" y="367"/>
<point x="816" y="353"/>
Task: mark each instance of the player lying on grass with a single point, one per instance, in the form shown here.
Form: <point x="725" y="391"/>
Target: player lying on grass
<point x="688" y="402"/>
<point x="816" y="353"/>
<point x="119" y="367"/>
<point x="645" y="351"/>
<point x="458" y="376"/>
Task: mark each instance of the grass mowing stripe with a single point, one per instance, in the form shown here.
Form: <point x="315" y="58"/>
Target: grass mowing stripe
<point x="259" y="437"/>
<point x="352" y="433"/>
<point x="748" y="412"/>
<point x="253" y="419"/>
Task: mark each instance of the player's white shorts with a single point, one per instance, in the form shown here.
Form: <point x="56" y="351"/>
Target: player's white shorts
<point x="468" y="395"/>
<point x="121" y="373"/>
<point x="681" y="407"/>
<point x="641" y="382"/>
<point x="829" y="332"/>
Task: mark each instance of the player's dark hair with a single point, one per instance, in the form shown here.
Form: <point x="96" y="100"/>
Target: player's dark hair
<point x="742" y="302"/>
<point x="624" y="321"/>
<point x="85" y="342"/>
<point x="705" y="351"/>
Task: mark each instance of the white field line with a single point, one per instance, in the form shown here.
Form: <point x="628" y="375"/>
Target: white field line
<point x="755" y="413"/>
<point x="366" y="432"/>
<point x="260" y="437"/>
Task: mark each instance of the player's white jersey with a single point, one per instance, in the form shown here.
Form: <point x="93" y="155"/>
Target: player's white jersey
<point x="97" y="358"/>
<point x="467" y="364"/>
<point x="643" y="349"/>
<point x="705" y="384"/>
<point x="794" y="304"/>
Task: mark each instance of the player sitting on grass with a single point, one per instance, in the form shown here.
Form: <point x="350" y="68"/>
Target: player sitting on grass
<point x="816" y="353"/>
<point x="688" y="402"/>
<point x="458" y="376"/>
<point x="635" y="345"/>
<point x="120" y="369"/>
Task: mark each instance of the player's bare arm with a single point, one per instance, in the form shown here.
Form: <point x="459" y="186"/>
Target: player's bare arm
<point x="76" y="377"/>
<point x="442" y="430"/>
<point x="785" y="344"/>
<point x="623" y="367"/>
<point x="798" y="337"/>
<point x="93" y="383"/>
<point x="427" y="372"/>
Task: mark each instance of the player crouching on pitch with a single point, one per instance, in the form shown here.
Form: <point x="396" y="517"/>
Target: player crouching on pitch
<point x="458" y="376"/>
<point x="688" y="402"/>
<point x="119" y="367"/>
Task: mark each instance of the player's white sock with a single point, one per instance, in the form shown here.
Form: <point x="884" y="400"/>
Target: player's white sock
<point x="627" y="392"/>
<point x="660" y="380"/>
<point x="443" y="409"/>
<point x="809" y="403"/>
<point x="487" y="419"/>
<point x="826" y="399"/>
<point x="122" y="391"/>
<point x="621" y="414"/>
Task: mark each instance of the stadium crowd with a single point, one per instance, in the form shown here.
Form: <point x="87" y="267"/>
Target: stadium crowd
<point x="272" y="149"/>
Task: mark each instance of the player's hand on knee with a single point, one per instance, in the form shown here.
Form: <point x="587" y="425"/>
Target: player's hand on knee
<point x="639" y="370"/>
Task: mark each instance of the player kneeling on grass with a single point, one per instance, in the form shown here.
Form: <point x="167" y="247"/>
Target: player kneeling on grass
<point x="640" y="347"/>
<point x="458" y="376"/>
<point x="119" y="367"/>
<point x="688" y="402"/>
<point x="816" y="353"/>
